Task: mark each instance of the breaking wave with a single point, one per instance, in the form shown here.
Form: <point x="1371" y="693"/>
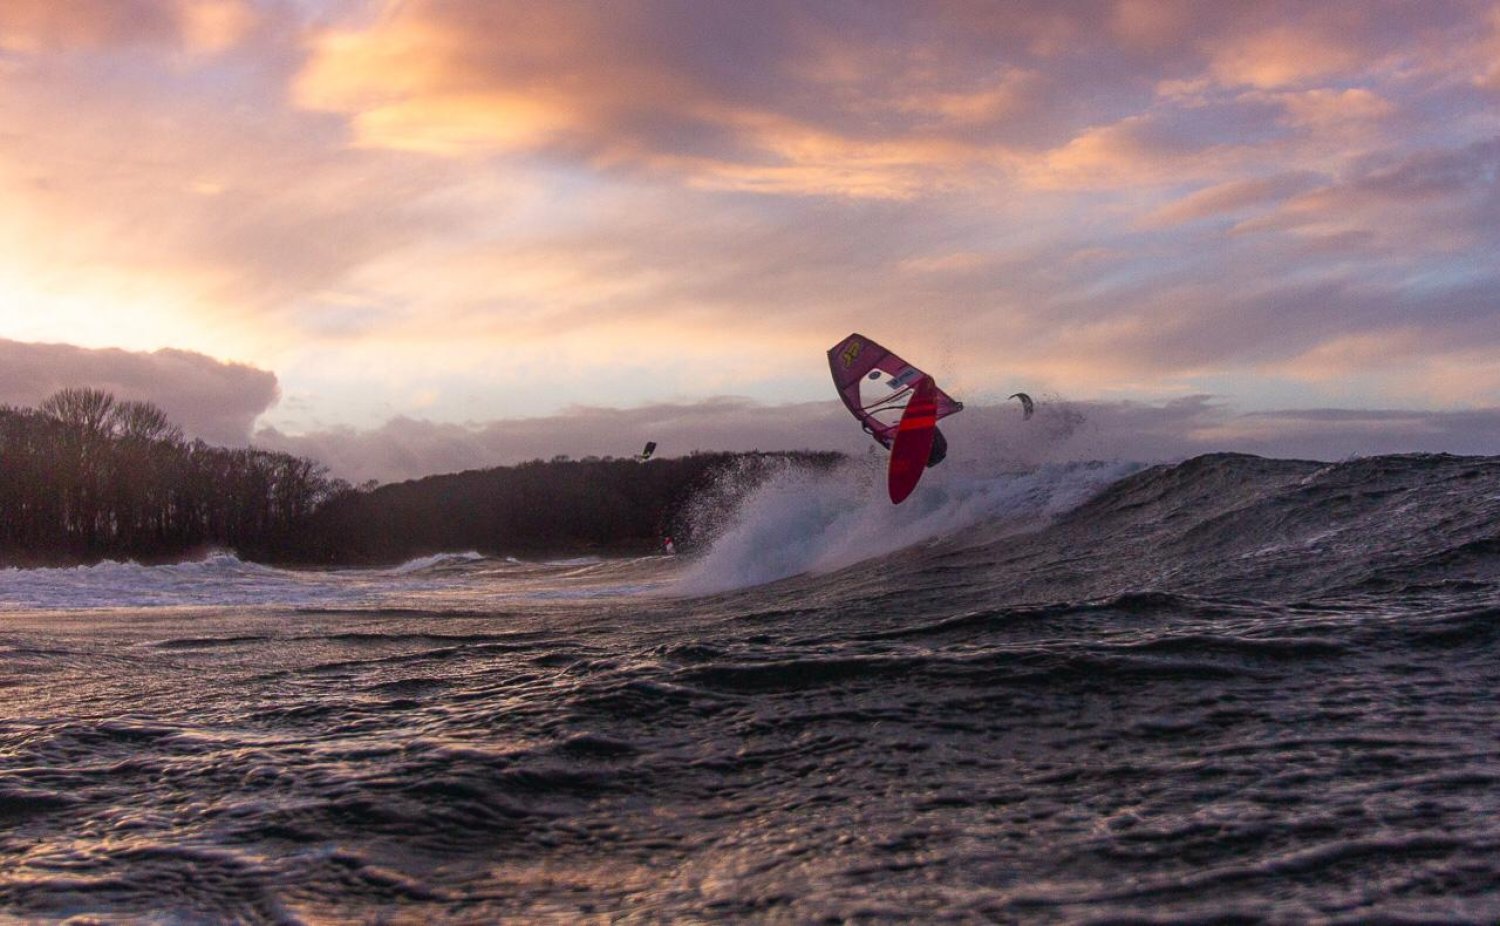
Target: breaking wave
<point x="815" y="522"/>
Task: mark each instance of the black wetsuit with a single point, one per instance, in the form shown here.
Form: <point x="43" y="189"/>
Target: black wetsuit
<point x="939" y="448"/>
<point x="935" y="456"/>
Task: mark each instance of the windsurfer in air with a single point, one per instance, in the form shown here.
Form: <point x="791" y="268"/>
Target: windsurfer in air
<point x="897" y="404"/>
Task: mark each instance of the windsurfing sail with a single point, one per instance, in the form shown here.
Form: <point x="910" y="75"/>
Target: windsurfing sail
<point x="876" y="385"/>
<point x="645" y="455"/>
<point x="1027" y="406"/>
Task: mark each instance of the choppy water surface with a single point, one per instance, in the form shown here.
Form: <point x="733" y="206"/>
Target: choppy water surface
<point x="1232" y="690"/>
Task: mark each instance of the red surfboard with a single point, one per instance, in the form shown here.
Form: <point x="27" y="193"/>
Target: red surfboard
<point x="913" y="444"/>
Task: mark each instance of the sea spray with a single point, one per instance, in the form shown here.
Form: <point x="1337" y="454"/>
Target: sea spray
<point x="801" y="521"/>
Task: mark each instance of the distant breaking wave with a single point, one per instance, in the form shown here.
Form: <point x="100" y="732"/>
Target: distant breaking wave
<point x="221" y="579"/>
<point x="437" y="561"/>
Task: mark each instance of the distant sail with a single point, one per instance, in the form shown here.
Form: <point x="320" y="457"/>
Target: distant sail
<point x="875" y="385"/>
<point x="645" y="455"/>
<point x="1027" y="406"/>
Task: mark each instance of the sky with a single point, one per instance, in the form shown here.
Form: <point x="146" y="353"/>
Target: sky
<point x="419" y="236"/>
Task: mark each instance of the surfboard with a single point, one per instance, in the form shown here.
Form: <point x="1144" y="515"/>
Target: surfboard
<point x="913" y="443"/>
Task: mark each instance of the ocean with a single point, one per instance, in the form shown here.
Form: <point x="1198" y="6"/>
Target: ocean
<point x="1230" y="690"/>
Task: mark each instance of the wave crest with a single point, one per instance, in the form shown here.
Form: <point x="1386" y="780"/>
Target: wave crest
<point x="800" y="521"/>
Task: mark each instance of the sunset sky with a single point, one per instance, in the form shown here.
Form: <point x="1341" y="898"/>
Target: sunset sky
<point x="412" y="236"/>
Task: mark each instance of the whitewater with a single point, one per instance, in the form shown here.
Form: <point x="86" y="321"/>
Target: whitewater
<point x="1230" y="690"/>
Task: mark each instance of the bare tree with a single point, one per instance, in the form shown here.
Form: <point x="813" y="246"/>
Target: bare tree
<point x="83" y="408"/>
<point x="142" y="421"/>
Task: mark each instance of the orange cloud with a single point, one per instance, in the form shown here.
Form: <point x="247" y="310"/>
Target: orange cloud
<point x="1488" y="58"/>
<point x="211" y="26"/>
<point x="1283" y="55"/>
<point x="1325" y="107"/>
<point x="1415" y="367"/>
<point x="1349" y="355"/>
<point x="198" y="26"/>
<point x="851" y="108"/>
<point x="1230" y="197"/>
<point x="1138" y="150"/>
<point x="406" y="86"/>
<point x="456" y="78"/>
<point x="473" y="79"/>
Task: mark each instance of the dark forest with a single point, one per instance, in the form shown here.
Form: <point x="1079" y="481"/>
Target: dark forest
<point x="84" y="478"/>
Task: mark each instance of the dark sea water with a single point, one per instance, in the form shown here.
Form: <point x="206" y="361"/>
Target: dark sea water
<point x="1233" y="690"/>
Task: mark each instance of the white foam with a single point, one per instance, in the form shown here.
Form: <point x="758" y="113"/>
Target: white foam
<point x="218" y="578"/>
<point x="466" y="580"/>
<point x="809" y="522"/>
<point x="575" y="561"/>
<point x="438" y="560"/>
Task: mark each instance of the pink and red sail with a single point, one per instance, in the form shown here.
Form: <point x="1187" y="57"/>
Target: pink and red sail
<point x="878" y="400"/>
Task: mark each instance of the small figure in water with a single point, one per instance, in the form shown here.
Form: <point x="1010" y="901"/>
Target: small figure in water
<point x="668" y="547"/>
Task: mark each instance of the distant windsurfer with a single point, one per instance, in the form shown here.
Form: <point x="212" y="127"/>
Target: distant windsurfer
<point x="1028" y="407"/>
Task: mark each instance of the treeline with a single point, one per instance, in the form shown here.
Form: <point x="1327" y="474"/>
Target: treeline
<point x="596" y="504"/>
<point x="84" y="478"/>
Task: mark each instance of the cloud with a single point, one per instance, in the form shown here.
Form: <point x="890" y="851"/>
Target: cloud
<point x="407" y="448"/>
<point x="471" y="210"/>
<point x="1334" y="434"/>
<point x="210" y="399"/>
<point x="1329" y="108"/>
<point x="160" y="193"/>
<point x="990" y="434"/>
<point x="1409" y="207"/>
<point x="841" y="99"/>
<point x="1231" y="197"/>
<point x="1285" y="54"/>
<point x="197" y="26"/>
<point x="787" y="99"/>
<point x="1192" y="425"/>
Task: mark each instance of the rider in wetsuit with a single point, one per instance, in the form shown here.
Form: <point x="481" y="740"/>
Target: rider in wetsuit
<point x="934" y="457"/>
